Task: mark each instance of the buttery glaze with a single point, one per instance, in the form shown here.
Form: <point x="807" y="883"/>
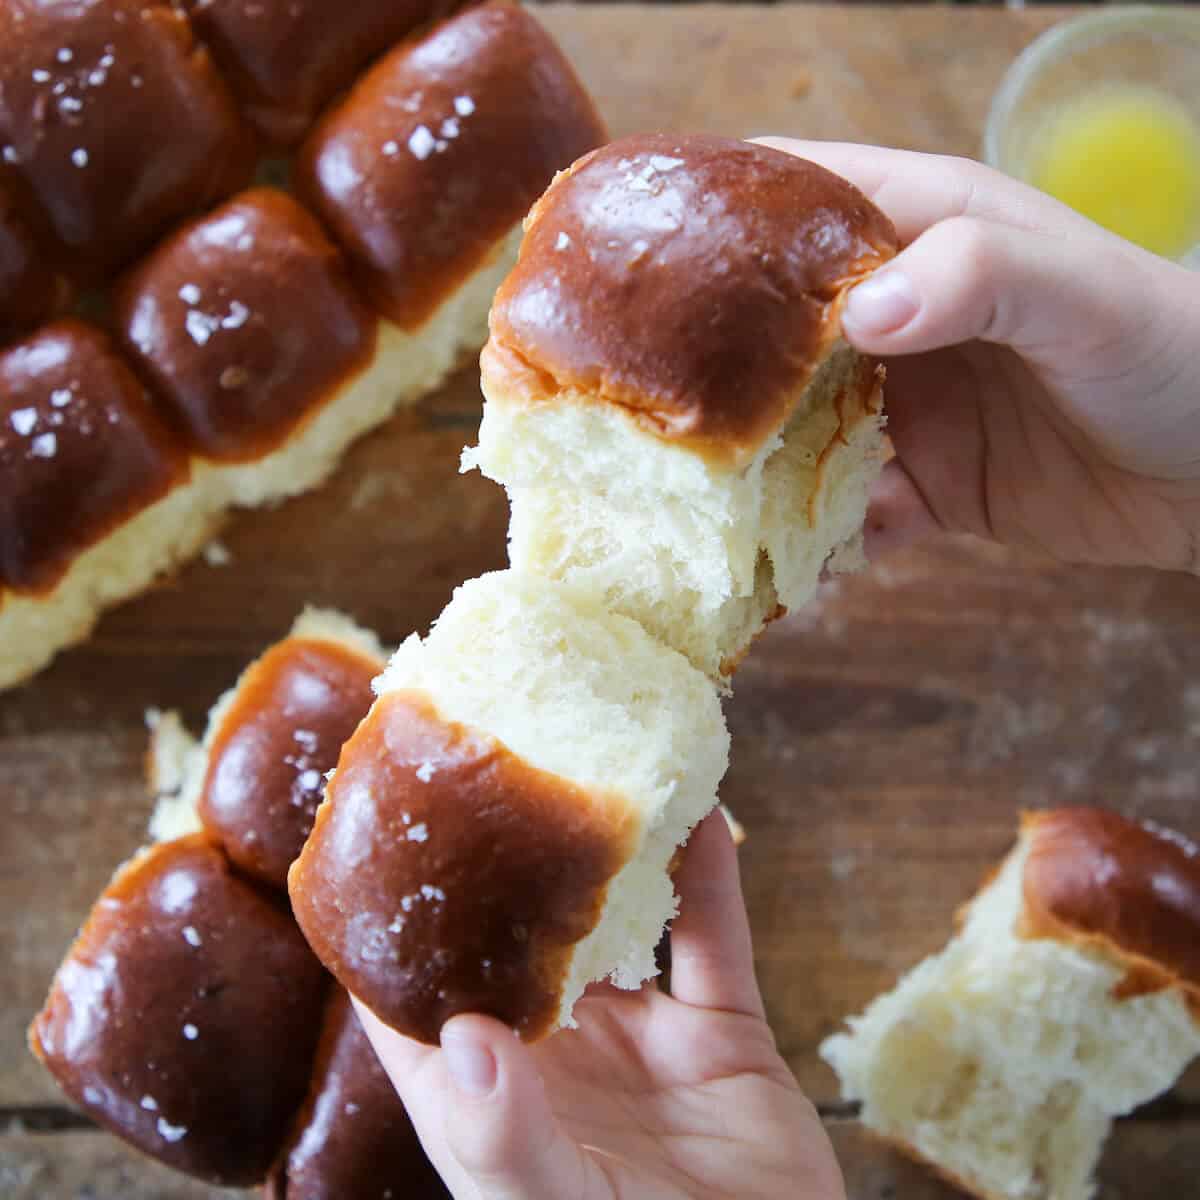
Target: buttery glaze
<point x="352" y="1139"/>
<point x="446" y="875"/>
<point x="693" y="280"/>
<point x="285" y="60"/>
<point x="244" y="321"/>
<point x="117" y="121"/>
<point x="442" y="147"/>
<point x="30" y="290"/>
<point x="185" y="1017"/>
<point x="81" y="451"/>
<point x="267" y="763"/>
<point x="1093" y="876"/>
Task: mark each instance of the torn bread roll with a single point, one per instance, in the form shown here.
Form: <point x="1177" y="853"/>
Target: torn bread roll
<point x="1070" y="995"/>
<point x="680" y="427"/>
<point x="190" y="981"/>
<point x="498" y="831"/>
<point x="243" y="339"/>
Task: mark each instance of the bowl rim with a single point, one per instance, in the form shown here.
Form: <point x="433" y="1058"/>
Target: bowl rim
<point x="1086" y="29"/>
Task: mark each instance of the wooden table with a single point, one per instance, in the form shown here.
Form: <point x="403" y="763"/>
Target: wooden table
<point x="884" y="741"/>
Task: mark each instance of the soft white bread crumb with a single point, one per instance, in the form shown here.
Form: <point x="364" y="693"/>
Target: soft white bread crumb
<point x="170" y="761"/>
<point x="582" y="693"/>
<point x="33" y="628"/>
<point x="701" y="553"/>
<point x="406" y="365"/>
<point x="177" y="762"/>
<point x="1003" y="1060"/>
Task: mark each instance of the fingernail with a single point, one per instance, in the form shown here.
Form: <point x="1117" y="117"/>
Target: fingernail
<point x="881" y="304"/>
<point x="472" y="1065"/>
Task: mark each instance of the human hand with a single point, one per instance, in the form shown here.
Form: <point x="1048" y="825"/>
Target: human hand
<point x="1043" y="381"/>
<point x="653" y="1097"/>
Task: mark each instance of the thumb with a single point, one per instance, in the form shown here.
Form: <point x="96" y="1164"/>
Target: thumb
<point x="969" y="277"/>
<point x="496" y="1123"/>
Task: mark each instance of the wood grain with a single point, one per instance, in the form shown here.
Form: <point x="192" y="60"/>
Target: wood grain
<point x="93" y="1166"/>
<point x="884" y="741"/>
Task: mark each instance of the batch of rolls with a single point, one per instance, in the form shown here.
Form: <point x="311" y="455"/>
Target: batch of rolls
<point x="489" y="821"/>
<point x="187" y="339"/>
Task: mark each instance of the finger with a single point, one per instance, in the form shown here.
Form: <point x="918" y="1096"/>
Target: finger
<point x="968" y="279"/>
<point x="481" y="1111"/>
<point x="712" y="961"/>
<point x="919" y="190"/>
<point x="500" y="1128"/>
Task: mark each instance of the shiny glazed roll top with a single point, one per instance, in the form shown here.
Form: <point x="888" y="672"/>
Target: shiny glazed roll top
<point x="352" y="1140"/>
<point x="271" y="742"/>
<point x="285" y="58"/>
<point x="440" y="149"/>
<point x="186" y="1014"/>
<point x="117" y="121"/>
<point x="692" y="281"/>
<point x="1132" y="891"/>
<point x="81" y="451"/>
<point x="669" y="401"/>
<point x="245" y="321"/>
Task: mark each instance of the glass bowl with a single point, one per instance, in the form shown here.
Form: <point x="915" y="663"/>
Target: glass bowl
<point x="1157" y="49"/>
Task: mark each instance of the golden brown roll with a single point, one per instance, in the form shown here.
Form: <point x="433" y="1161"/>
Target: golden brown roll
<point x="669" y="402"/>
<point x="244" y="321"/>
<point x="285" y="58"/>
<point x="440" y="149"/>
<point x="263" y="361"/>
<point x="499" y="830"/>
<point x="352" y="1140"/>
<point x="260" y="773"/>
<point x="117" y="120"/>
<point x="328" y="1124"/>
<point x="185" y="1016"/>
<point x="93" y="490"/>
<point x="1069" y="996"/>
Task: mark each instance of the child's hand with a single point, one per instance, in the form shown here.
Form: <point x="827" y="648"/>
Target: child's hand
<point x="653" y="1097"/>
<point x="1043" y="375"/>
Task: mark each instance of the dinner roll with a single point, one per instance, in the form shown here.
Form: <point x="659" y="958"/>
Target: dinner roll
<point x="1070" y="995"/>
<point x="117" y="121"/>
<point x="352" y="1139"/>
<point x="190" y="979"/>
<point x="185" y="1016"/>
<point x="680" y="428"/>
<point x="498" y="831"/>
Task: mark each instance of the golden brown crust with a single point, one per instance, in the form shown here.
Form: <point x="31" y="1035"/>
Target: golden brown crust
<point x="117" y="120"/>
<point x="352" y="1140"/>
<point x="420" y="191"/>
<point x="81" y="451"/>
<point x="285" y="59"/>
<point x="444" y="874"/>
<point x="185" y="1016"/>
<point x="1095" y="879"/>
<point x="245" y="322"/>
<point x="267" y="762"/>
<point x="30" y="288"/>
<point x="695" y="281"/>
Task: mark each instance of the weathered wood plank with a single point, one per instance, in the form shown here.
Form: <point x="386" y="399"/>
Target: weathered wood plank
<point x="1145" y="1161"/>
<point x="884" y="741"/>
